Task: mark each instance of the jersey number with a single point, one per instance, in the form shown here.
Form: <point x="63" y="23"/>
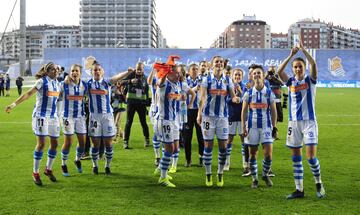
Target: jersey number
<point x="289" y="131"/>
<point x="206" y="125"/>
<point x="93" y="124"/>
<point x="40" y="122"/>
<point x="166" y="128"/>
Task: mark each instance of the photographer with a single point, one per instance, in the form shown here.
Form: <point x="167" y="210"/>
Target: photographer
<point x="137" y="96"/>
<point x="275" y="85"/>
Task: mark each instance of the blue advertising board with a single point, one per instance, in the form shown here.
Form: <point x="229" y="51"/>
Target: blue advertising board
<point x="337" y="68"/>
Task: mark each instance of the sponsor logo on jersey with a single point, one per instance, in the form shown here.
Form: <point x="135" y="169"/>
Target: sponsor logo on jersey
<point x="258" y="105"/>
<point x="53" y="93"/>
<point x="174" y="96"/>
<point x="73" y="97"/>
<point x="298" y="88"/>
<point x="218" y="92"/>
<point x="98" y="92"/>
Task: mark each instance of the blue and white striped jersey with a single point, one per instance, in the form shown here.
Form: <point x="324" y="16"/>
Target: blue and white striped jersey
<point x="99" y="96"/>
<point x="48" y="91"/>
<point x="301" y="99"/>
<point x="193" y="83"/>
<point x="259" y="115"/>
<point x="167" y="100"/>
<point x="217" y="93"/>
<point x="72" y="96"/>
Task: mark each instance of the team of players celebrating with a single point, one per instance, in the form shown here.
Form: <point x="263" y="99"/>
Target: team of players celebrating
<point x="218" y="101"/>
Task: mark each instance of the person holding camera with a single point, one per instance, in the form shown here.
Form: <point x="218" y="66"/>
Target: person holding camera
<point x="137" y="96"/>
<point x="276" y="85"/>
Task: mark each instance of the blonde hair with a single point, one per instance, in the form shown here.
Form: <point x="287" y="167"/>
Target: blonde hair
<point x="43" y="70"/>
<point x="77" y="65"/>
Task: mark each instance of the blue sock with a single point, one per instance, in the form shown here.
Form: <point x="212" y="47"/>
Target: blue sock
<point x="37" y="158"/>
<point x="164" y="163"/>
<point x="315" y="169"/>
<point x="207" y="160"/>
<point x="64" y="156"/>
<point x="221" y="160"/>
<point x="109" y="155"/>
<point x="95" y="156"/>
<point x="254" y="168"/>
<point x="298" y="172"/>
<point x="51" y="158"/>
<point x="79" y="153"/>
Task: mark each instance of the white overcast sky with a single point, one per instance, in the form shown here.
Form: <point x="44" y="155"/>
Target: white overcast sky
<point x="196" y="23"/>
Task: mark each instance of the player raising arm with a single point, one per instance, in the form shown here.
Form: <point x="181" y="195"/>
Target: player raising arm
<point x="302" y="125"/>
<point x="45" y="121"/>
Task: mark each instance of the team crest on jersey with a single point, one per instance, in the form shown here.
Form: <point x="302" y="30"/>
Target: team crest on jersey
<point x="335" y="67"/>
<point x="267" y="134"/>
<point x="311" y="134"/>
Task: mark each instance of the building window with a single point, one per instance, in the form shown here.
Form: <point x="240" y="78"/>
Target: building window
<point x="232" y="29"/>
<point x="241" y="29"/>
<point x="247" y="29"/>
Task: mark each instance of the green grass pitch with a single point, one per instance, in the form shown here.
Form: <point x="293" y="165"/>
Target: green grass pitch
<point x="132" y="188"/>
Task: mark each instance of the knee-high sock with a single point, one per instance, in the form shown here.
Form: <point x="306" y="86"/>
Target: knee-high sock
<point x="64" y="156"/>
<point x="95" y="156"/>
<point x="109" y="155"/>
<point x="266" y="165"/>
<point x="221" y="160"/>
<point x="298" y="172"/>
<point x="79" y="153"/>
<point x="175" y="157"/>
<point x="37" y="158"/>
<point x="253" y="168"/>
<point x="228" y="152"/>
<point x="315" y="169"/>
<point x="51" y="158"/>
<point x="207" y="159"/>
<point x="164" y="163"/>
<point x="156" y="145"/>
